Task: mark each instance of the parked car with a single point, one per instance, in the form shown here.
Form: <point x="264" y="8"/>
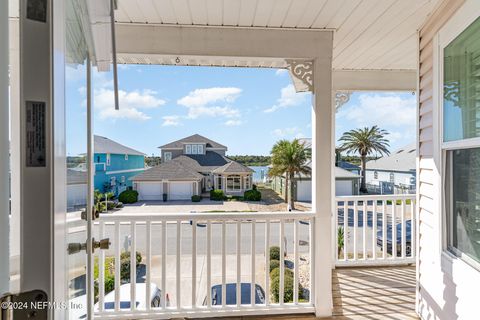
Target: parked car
<point x="389" y="242"/>
<point x="231" y="294"/>
<point x="156" y="297"/>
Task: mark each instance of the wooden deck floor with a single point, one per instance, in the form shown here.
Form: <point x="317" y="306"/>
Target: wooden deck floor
<point x="375" y="293"/>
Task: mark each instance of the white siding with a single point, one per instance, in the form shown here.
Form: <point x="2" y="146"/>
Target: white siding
<point x="446" y="286"/>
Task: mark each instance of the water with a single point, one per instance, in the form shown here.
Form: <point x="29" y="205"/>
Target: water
<point x="260" y="173"/>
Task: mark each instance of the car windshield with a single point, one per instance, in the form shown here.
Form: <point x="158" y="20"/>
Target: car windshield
<point x="231" y="294"/>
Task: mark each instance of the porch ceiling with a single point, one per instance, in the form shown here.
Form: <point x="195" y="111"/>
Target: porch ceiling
<point x="370" y="34"/>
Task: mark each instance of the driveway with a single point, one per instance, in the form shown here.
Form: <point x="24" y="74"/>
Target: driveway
<point x="186" y="206"/>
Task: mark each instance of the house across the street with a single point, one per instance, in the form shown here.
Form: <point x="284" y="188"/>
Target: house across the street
<point x="114" y="165"/>
<point x="392" y="174"/>
<point x="347" y="179"/>
<point x="191" y="166"/>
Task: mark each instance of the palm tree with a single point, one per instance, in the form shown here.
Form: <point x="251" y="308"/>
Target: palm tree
<point x="365" y="141"/>
<point x="289" y="158"/>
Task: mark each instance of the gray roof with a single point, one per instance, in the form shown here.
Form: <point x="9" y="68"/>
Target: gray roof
<point x="76" y="177"/>
<point x="342" y="173"/>
<point x="171" y="170"/>
<point x="339" y="173"/>
<point x="403" y="159"/>
<point x="196" y="138"/>
<point x="105" y="145"/>
<point x="347" y="165"/>
<point x="233" y="167"/>
<point x="202" y="163"/>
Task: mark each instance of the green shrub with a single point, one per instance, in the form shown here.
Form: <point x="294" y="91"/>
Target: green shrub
<point x="275" y="253"/>
<point x="119" y="204"/>
<point x="111" y="205"/>
<point x="109" y="283"/>
<point x="217" y="195"/>
<point x="196" y="198"/>
<point x="125" y="265"/>
<point x="252" y="195"/>
<point x="128" y="196"/>
<point x="254" y="187"/>
<point x="288" y="282"/>
<point x="274" y="264"/>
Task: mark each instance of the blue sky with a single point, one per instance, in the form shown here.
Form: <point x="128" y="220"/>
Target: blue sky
<point x="247" y="110"/>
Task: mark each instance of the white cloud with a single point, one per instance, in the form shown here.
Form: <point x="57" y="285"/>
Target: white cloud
<point x="288" y="98"/>
<point x="292" y="131"/>
<point x="171" y="121"/>
<point x="385" y="110"/>
<point x="211" y="102"/>
<point x="233" y="123"/>
<point x="281" y="72"/>
<point x="131" y="103"/>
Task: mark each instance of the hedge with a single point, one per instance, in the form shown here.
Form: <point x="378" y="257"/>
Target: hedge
<point x="274" y="264"/>
<point x="217" y="195"/>
<point x="128" y="196"/>
<point x="287" y="285"/>
<point x="275" y="253"/>
<point x="252" y="195"/>
<point x="196" y="198"/>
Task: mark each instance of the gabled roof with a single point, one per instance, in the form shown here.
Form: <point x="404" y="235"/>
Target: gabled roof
<point x="105" y="145"/>
<point x="347" y="165"/>
<point x="196" y="138"/>
<point x="233" y="167"/>
<point x="403" y="159"/>
<point x="203" y="163"/>
<point x="171" y="170"/>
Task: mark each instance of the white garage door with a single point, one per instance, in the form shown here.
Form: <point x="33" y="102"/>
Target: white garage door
<point x="304" y="191"/>
<point x="181" y="191"/>
<point x="150" y="191"/>
<point x="343" y="188"/>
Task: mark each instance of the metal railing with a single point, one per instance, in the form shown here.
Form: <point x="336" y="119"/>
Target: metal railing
<point x="374" y="230"/>
<point x="192" y="257"/>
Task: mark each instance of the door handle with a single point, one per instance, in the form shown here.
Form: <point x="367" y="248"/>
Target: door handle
<point x="76" y="247"/>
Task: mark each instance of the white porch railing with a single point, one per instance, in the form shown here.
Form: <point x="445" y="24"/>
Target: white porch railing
<point x="374" y="230"/>
<point x="185" y="255"/>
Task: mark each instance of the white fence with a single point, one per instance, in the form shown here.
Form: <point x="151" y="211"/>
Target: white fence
<point x="186" y="255"/>
<point x="375" y="230"/>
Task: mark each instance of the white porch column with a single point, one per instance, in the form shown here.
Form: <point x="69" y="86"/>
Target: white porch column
<point x="4" y="151"/>
<point x="323" y="186"/>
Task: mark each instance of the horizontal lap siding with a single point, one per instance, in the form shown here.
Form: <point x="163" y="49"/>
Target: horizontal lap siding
<point x="428" y="217"/>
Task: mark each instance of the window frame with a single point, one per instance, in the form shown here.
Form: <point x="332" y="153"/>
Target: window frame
<point x="165" y="155"/>
<point x="232" y="178"/>
<point x="467" y="15"/>
<point x="200" y="149"/>
<point x="188" y="149"/>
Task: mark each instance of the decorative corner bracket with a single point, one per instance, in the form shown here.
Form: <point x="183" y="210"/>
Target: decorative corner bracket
<point x="302" y="74"/>
<point x="341" y="97"/>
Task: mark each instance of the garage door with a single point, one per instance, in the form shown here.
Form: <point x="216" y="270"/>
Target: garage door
<point x="150" y="191"/>
<point x="343" y="188"/>
<point x="304" y="191"/>
<point x="181" y="190"/>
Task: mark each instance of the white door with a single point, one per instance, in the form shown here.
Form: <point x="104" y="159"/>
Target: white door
<point x="343" y="188"/>
<point x="150" y="191"/>
<point x="304" y="191"/>
<point x="181" y="190"/>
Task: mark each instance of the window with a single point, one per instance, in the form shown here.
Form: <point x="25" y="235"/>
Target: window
<point x="168" y="156"/>
<point x="188" y="149"/>
<point x="375" y="175"/>
<point x="194" y="149"/>
<point x="122" y="179"/>
<point x="108" y="159"/>
<point x="461" y="143"/>
<point x="233" y="183"/>
<point x="126" y="157"/>
<point x="392" y="177"/>
<point x="113" y="181"/>
<point x="200" y="149"/>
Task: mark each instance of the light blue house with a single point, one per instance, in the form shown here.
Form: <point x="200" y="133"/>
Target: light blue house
<point x="115" y="164"/>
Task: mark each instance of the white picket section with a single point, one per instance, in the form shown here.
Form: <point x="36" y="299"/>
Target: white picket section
<point x="377" y="230"/>
<point x="147" y="234"/>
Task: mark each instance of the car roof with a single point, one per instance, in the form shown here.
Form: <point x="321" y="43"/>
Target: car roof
<point x="140" y="296"/>
<point x="231" y="294"/>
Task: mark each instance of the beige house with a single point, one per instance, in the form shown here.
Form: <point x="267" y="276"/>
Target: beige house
<point x="330" y="48"/>
<point x="192" y="166"/>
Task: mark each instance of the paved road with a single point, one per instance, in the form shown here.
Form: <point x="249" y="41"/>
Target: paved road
<point x="186" y="235"/>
